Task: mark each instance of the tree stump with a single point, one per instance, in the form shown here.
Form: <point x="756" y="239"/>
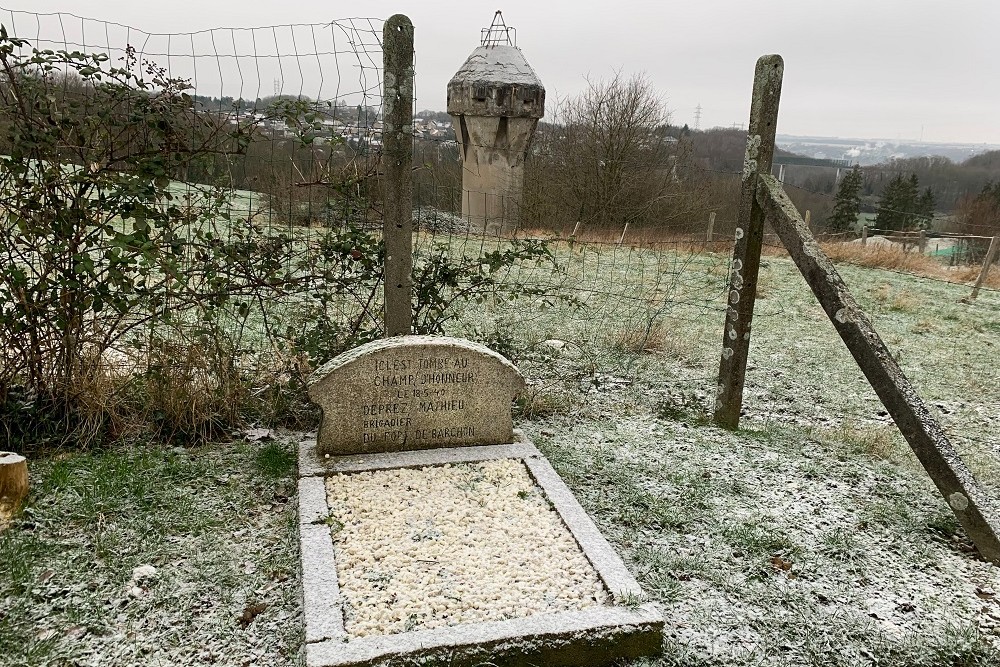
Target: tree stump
<point x="13" y="485"/>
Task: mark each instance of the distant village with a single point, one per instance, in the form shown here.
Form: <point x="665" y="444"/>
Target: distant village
<point x="359" y="127"/>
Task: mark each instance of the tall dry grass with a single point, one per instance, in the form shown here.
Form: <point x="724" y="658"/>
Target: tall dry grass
<point x="638" y="238"/>
<point x="880" y="256"/>
<point x="873" y="255"/>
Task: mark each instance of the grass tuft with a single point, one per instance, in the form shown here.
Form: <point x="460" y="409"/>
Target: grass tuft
<point x="882" y="443"/>
<point x="275" y="459"/>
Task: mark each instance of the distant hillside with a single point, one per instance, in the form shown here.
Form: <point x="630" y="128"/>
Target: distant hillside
<point x="989" y="161"/>
<point x="949" y="180"/>
<point x="877" y="151"/>
<point x="721" y="149"/>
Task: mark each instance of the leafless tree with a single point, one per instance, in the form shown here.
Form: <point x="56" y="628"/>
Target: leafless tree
<point x="608" y="159"/>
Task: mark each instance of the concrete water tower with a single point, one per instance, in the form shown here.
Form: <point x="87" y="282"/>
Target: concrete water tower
<point x="494" y="100"/>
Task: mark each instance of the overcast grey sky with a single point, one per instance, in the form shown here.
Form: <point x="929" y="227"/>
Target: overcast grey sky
<point x="894" y="69"/>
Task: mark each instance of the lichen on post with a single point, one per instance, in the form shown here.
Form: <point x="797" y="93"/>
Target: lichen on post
<point x="972" y="506"/>
<point x="745" y="267"/>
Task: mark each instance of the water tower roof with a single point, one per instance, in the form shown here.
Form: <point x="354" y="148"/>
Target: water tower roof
<point x="496" y="65"/>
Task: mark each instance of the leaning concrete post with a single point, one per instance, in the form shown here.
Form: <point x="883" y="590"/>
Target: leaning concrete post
<point x="397" y="160"/>
<point x="990" y="256"/>
<point x="967" y="499"/>
<point x="749" y="235"/>
<point x="711" y="226"/>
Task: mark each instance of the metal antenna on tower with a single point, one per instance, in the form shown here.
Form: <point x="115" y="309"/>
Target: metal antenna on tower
<point x="498" y="33"/>
<point x="697" y="117"/>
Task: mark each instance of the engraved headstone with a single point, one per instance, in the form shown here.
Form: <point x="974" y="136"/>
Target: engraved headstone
<point x="414" y="392"/>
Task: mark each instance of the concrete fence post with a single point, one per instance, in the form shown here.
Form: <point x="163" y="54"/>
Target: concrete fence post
<point x="922" y="241"/>
<point x="990" y="256"/>
<point x="745" y="264"/>
<point x="808" y="218"/>
<point x="711" y="226"/>
<point x="864" y="235"/>
<point x="397" y="165"/>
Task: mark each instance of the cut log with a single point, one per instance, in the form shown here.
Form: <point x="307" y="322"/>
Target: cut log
<point x="13" y="485"/>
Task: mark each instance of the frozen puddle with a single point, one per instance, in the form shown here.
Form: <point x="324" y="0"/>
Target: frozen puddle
<point x="441" y="545"/>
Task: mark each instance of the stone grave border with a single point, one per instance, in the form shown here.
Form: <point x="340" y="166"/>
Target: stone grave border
<point x="632" y="627"/>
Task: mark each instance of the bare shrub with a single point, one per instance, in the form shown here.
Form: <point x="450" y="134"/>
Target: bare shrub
<point x="192" y="390"/>
<point x="607" y="160"/>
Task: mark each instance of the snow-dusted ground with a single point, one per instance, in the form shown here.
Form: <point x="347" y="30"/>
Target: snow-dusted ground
<point x="809" y="537"/>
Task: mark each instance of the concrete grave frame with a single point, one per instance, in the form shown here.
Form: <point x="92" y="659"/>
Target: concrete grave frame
<point x="630" y="628"/>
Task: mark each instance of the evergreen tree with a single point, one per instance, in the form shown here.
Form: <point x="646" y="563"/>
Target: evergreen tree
<point x="925" y="206"/>
<point x="888" y="215"/>
<point x="911" y="195"/>
<point x="848" y="202"/>
<point x="898" y="208"/>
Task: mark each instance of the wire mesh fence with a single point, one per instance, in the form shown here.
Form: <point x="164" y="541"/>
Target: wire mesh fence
<point x="221" y="219"/>
<point x="192" y="209"/>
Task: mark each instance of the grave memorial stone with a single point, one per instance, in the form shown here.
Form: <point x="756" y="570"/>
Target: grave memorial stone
<point x="414" y="392"/>
<point x="426" y="405"/>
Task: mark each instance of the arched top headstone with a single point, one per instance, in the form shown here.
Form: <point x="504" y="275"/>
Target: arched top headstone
<point x="414" y="392"/>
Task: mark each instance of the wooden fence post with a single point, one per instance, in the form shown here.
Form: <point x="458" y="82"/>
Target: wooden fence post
<point x="990" y="256"/>
<point x="711" y="226"/>
<point x="13" y="486"/>
<point x="397" y="163"/>
<point x="624" y="231"/>
<point x="745" y="266"/>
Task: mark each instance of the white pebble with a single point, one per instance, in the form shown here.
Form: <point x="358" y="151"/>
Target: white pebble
<point x="452" y="544"/>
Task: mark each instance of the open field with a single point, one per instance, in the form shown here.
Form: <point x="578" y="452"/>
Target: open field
<point x="810" y="537"/>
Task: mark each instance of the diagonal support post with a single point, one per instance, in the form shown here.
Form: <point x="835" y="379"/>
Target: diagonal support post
<point x="745" y="266"/>
<point x="967" y="499"/>
<point x="990" y="256"/>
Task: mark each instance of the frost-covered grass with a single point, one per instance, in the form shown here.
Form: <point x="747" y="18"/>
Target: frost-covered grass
<point x="810" y="537"/>
<point x="217" y="524"/>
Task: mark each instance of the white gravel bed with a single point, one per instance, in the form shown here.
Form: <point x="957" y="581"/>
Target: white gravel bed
<point x="438" y="546"/>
